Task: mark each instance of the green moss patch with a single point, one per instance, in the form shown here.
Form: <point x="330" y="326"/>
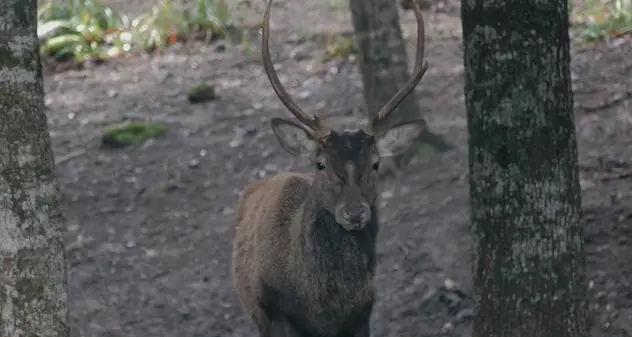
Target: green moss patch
<point x="133" y="133"/>
<point x="201" y="93"/>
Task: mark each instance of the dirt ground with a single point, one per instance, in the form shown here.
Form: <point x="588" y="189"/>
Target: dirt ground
<point x="149" y="227"/>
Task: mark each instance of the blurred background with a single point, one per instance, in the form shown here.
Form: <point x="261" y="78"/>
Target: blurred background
<point x="159" y="110"/>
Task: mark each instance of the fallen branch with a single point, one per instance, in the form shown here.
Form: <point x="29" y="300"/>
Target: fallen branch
<point x="609" y="103"/>
<point x="615" y="176"/>
<point x="68" y="156"/>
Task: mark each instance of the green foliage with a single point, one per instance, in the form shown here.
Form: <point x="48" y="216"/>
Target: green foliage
<point x="165" y="24"/>
<point x="201" y="93"/>
<point x="340" y="47"/>
<point x="599" y="20"/>
<point x="88" y="30"/>
<point x="81" y="29"/>
<point x="133" y="133"/>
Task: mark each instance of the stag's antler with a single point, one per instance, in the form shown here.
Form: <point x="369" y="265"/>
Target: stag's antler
<point x="312" y="122"/>
<point x="420" y="69"/>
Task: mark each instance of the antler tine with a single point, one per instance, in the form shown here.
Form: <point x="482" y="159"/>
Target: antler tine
<point x="312" y="122"/>
<point x="421" y="65"/>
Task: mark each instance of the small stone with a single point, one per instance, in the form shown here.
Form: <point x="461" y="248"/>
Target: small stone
<point x="586" y="184"/>
<point x="299" y="54"/>
<point x="447" y="327"/>
<point x="234" y="143"/>
<point x="193" y="163"/>
<point x="227" y="211"/>
<point x="151" y="252"/>
<point x="251" y="130"/>
<point x="304" y="94"/>
<point x="270" y="167"/>
<point x="449" y="284"/>
<point x="266" y="153"/>
<point x="112" y="248"/>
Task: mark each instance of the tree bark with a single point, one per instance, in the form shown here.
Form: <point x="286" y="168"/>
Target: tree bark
<point x="383" y="62"/>
<point x="423" y="4"/>
<point x="33" y="295"/>
<point x="529" y="277"/>
<point x="382" y="56"/>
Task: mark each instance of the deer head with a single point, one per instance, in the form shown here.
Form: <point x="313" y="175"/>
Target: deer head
<point x="346" y="162"/>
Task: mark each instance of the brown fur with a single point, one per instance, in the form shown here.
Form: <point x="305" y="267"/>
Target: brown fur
<point x="277" y="271"/>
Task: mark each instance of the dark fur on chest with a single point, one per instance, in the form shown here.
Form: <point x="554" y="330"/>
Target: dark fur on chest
<point x="331" y="250"/>
<point x="334" y="295"/>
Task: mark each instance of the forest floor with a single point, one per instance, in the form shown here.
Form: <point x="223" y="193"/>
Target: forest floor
<point x="150" y="227"/>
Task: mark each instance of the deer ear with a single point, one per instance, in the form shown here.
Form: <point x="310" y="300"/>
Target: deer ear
<point x="395" y="140"/>
<point x="294" y="137"/>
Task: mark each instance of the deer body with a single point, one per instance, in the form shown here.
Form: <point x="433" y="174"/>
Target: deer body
<point x="304" y="257"/>
<point x="313" y="276"/>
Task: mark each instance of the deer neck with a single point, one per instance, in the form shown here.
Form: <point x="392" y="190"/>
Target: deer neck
<point x="328" y="247"/>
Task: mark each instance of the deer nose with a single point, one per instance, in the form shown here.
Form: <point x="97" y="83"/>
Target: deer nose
<point x="355" y="212"/>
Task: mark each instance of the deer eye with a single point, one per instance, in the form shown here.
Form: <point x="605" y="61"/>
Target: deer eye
<point x="320" y="166"/>
<point x="376" y="165"/>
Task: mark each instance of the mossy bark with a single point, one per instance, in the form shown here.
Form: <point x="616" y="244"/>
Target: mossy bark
<point x="529" y="277"/>
<point x="33" y="296"/>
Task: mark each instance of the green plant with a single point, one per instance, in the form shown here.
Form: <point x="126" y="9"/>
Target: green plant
<point x="339" y="47"/>
<point x="601" y="20"/>
<point x="166" y="25"/>
<point x="86" y="29"/>
<point x="210" y="15"/>
<point x="201" y="93"/>
<point x="158" y="28"/>
<point x="124" y="135"/>
<point x="81" y="29"/>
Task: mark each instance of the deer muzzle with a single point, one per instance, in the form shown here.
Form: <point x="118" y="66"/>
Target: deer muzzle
<point x="354" y="215"/>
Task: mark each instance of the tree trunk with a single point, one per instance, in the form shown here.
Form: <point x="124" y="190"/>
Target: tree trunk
<point x="529" y="277"/>
<point x="33" y="295"/>
<point x="383" y="62"/>
<point x="423" y="4"/>
<point x="382" y="56"/>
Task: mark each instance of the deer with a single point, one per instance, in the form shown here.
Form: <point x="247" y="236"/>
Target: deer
<point x="304" y="250"/>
